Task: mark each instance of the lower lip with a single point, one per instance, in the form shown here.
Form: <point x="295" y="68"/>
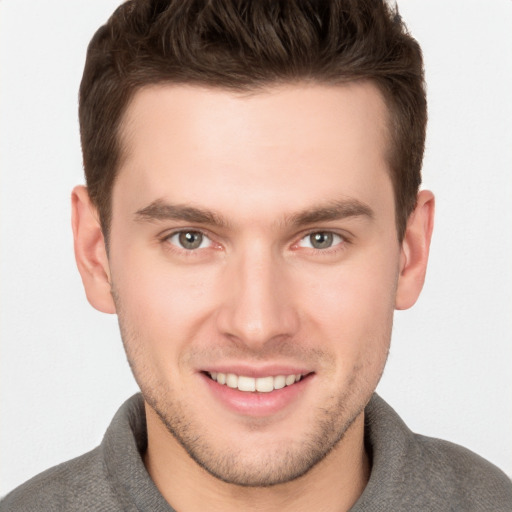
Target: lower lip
<point x="257" y="404"/>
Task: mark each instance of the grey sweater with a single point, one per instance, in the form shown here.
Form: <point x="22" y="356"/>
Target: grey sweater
<point x="409" y="473"/>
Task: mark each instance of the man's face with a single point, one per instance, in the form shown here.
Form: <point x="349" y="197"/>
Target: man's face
<point x="253" y="241"/>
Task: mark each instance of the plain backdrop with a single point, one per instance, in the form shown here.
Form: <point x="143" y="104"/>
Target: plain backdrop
<point x="63" y="370"/>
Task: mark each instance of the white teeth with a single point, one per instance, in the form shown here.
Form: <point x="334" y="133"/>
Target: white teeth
<point x="246" y="383"/>
<point x="290" y="379"/>
<point x="279" y="382"/>
<point x="231" y="380"/>
<point x="250" y="384"/>
<point x="265" y="384"/>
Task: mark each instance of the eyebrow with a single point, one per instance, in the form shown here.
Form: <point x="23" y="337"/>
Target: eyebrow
<point x="160" y="210"/>
<point x="334" y="210"/>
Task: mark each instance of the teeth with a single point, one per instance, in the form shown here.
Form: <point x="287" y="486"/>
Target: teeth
<point x="246" y="384"/>
<point x="290" y="379"/>
<point x="250" y="384"/>
<point x="264" y="384"/>
<point x="279" y="382"/>
<point x="231" y="380"/>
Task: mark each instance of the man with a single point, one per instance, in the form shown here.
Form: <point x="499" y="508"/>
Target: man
<point x="253" y="217"/>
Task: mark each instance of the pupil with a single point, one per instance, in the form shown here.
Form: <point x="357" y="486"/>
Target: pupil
<point x="190" y="239"/>
<point x="321" y="240"/>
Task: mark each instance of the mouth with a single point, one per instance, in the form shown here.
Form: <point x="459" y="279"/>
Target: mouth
<point x="255" y="384"/>
<point x="258" y="393"/>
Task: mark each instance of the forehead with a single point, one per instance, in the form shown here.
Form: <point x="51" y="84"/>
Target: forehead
<point x="279" y="147"/>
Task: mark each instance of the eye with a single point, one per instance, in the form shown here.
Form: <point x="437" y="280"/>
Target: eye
<point x="321" y="240"/>
<point x="190" y="240"/>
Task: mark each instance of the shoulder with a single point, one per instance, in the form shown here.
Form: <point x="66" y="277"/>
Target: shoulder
<point x="109" y="478"/>
<point x="415" y="472"/>
<point x="455" y="474"/>
<point x="79" y="484"/>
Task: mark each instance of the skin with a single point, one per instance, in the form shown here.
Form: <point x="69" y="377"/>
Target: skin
<point x="270" y="169"/>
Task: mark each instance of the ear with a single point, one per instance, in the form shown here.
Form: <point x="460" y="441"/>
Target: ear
<point x="90" y="251"/>
<point x="414" y="251"/>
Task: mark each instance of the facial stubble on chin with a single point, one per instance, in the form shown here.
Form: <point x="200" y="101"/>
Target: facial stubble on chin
<point x="278" y="465"/>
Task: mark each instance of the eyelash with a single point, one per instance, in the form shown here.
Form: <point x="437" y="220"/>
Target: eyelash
<point x="340" y="246"/>
<point x="330" y="249"/>
<point x="171" y="247"/>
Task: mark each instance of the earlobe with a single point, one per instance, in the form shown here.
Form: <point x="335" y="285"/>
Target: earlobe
<point x="415" y="250"/>
<point x="90" y="251"/>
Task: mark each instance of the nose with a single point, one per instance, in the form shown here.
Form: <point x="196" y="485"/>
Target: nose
<point x="258" y="302"/>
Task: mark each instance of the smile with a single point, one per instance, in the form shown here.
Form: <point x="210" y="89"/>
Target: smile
<point x="251" y="384"/>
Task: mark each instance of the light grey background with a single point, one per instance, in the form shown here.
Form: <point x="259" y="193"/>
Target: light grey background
<point x="63" y="370"/>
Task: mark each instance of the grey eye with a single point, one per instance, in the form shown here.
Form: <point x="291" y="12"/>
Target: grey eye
<point x="190" y="240"/>
<point x="321" y="240"/>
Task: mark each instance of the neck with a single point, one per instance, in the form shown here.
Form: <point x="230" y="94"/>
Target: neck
<point x="334" y="484"/>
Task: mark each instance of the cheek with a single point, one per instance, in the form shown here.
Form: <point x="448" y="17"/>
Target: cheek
<point x="353" y="304"/>
<point x="164" y="303"/>
<point x="353" y="292"/>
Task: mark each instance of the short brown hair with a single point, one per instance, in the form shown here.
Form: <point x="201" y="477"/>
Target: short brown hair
<point x="247" y="45"/>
